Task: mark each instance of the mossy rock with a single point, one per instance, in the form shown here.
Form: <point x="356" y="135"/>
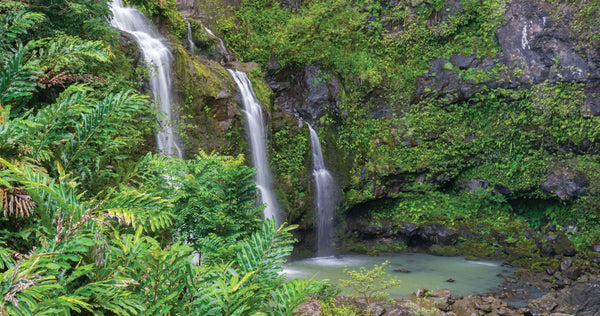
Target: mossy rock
<point x="210" y="119"/>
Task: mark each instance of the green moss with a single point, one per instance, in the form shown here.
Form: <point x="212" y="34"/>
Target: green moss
<point x="209" y="117"/>
<point x="167" y="12"/>
<point x="261" y="89"/>
<point x="291" y="159"/>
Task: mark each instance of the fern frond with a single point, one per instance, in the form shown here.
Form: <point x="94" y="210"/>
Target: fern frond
<point x="63" y="113"/>
<point x="134" y="207"/>
<point x="17" y="77"/>
<point x="97" y="125"/>
<point x="14" y="24"/>
<point x="287" y="297"/>
<point x="266" y="250"/>
<point x="57" y="53"/>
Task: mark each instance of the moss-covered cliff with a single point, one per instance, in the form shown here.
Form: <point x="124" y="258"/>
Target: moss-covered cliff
<point x="415" y="100"/>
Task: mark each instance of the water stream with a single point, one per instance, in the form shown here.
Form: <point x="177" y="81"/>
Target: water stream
<point x="158" y="59"/>
<point x="191" y="46"/>
<point x="222" y="48"/>
<point x="258" y="143"/>
<point x="326" y="197"/>
<point x="426" y="271"/>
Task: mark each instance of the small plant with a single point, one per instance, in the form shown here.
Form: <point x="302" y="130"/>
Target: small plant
<point x="370" y="284"/>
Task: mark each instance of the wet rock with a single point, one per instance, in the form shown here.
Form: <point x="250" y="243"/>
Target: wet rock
<point x="533" y="41"/>
<point x="566" y="264"/>
<point x="502" y="190"/>
<point x="399" y="311"/>
<point x="580" y="299"/>
<point x="371" y="231"/>
<point x="556" y="244"/>
<point x="474" y="184"/>
<point x="596" y="248"/>
<point x="376" y="309"/>
<point x="408" y="229"/>
<point x="566" y="184"/>
<point x="574" y="273"/>
<point x="307" y="92"/>
<point x="438" y="234"/>
<point x="401" y="271"/>
<point x="462" y="62"/>
<point x="550" y="271"/>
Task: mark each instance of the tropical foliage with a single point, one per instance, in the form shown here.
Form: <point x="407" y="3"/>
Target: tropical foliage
<point x="88" y="224"/>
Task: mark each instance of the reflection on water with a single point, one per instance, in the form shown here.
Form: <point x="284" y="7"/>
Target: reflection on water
<point x="426" y="271"/>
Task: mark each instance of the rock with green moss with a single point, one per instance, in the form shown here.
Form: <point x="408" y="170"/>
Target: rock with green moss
<point x="210" y="117"/>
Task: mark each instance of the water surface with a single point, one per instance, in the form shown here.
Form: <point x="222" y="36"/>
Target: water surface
<point x="427" y="271"/>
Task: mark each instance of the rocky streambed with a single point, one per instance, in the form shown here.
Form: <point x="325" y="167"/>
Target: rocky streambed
<point x="581" y="298"/>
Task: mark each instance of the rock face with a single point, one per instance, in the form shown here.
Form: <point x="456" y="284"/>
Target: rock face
<point x="580" y="299"/>
<point x="428" y="234"/>
<point x="210" y="111"/>
<point x="532" y="38"/>
<point x="536" y="47"/>
<point x="308" y="92"/>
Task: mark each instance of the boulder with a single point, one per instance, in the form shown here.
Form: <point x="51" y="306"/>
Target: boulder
<point x="438" y="234"/>
<point x="556" y="244"/>
<point x="565" y="184"/>
<point x="580" y="299"/>
<point x="309" y="308"/>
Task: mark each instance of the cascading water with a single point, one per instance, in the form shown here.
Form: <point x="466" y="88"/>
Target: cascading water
<point x="222" y="47"/>
<point x="326" y="197"/>
<point x="158" y="57"/>
<point x="258" y="143"/>
<point x="191" y="46"/>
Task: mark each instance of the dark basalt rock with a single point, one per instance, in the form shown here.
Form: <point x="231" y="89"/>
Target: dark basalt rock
<point x="556" y="244"/>
<point x="307" y="92"/>
<point x="502" y="190"/>
<point x="438" y="234"/>
<point x="580" y="299"/>
<point x="408" y="229"/>
<point x="536" y="47"/>
<point x="474" y="184"/>
<point x="591" y="105"/>
<point x="566" y="184"/>
<point x="574" y="273"/>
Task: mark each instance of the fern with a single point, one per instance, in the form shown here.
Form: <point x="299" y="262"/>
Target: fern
<point x="252" y="285"/>
<point x="98" y="126"/>
<point x="134" y="207"/>
<point x="14" y="24"/>
<point x="17" y="78"/>
<point x="58" y="53"/>
<point x="52" y="120"/>
<point x="287" y="297"/>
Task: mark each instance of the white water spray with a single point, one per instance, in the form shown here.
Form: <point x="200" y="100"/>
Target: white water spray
<point x="258" y="143"/>
<point x="191" y="46"/>
<point x="326" y="197"/>
<point x="158" y="57"/>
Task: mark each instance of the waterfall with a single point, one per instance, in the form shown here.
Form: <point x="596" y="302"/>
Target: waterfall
<point x="326" y="197"/>
<point x="158" y="59"/>
<point x="191" y="45"/>
<point x="222" y="47"/>
<point x="258" y="143"/>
